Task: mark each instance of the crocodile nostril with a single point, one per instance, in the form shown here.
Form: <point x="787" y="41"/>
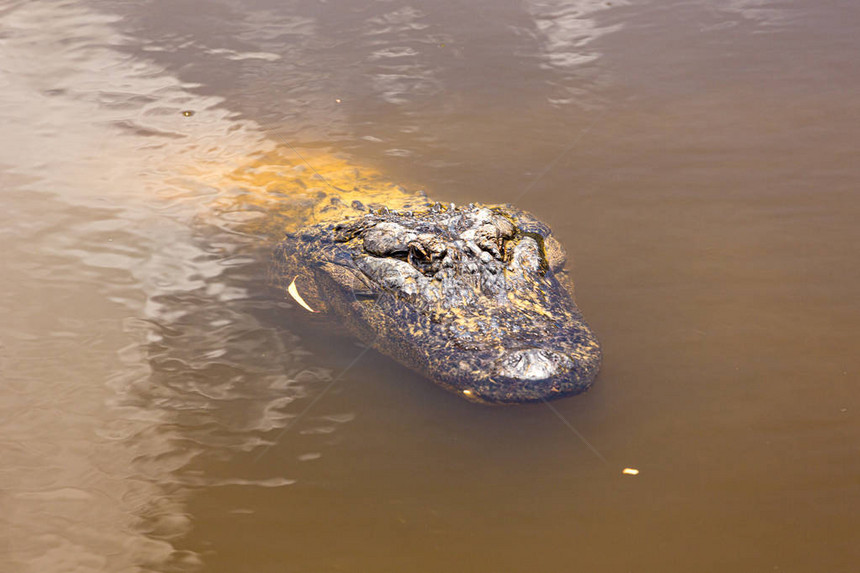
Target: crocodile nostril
<point x="533" y="364"/>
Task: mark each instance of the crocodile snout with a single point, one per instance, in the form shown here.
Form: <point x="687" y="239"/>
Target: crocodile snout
<point x="532" y="375"/>
<point x="533" y="364"/>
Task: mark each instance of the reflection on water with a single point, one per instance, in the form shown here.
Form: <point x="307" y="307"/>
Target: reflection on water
<point x="400" y="72"/>
<point x="767" y="12"/>
<point x="566" y="30"/>
<point x="700" y="171"/>
<point x="143" y="355"/>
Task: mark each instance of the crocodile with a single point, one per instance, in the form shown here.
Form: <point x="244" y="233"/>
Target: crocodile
<point x="474" y="297"/>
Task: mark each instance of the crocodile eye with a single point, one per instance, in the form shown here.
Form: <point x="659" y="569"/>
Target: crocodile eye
<point x="527" y="255"/>
<point x="554" y="252"/>
<point x="387" y="240"/>
<point x="535" y="227"/>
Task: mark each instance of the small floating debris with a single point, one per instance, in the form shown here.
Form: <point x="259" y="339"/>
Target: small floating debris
<point x="294" y="292"/>
<point x="467" y="392"/>
<point x="188" y="113"/>
<point x="630" y="471"/>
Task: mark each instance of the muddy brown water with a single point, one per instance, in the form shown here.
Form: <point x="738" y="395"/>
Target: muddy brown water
<point x="162" y="409"/>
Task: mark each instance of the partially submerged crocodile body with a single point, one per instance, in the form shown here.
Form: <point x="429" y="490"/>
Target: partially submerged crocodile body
<point x="474" y="297"/>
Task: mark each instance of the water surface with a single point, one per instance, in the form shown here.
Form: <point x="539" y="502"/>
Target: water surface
<point x="163" y="409"/>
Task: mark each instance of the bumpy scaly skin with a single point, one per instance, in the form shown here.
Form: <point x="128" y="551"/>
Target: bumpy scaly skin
<point x="475" y="298"/>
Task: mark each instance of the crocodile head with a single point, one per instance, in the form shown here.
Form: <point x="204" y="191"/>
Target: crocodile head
<point x="475" y="298"/>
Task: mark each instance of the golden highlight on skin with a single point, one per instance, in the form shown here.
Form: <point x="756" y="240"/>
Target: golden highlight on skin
<point x="283" y="190"/>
